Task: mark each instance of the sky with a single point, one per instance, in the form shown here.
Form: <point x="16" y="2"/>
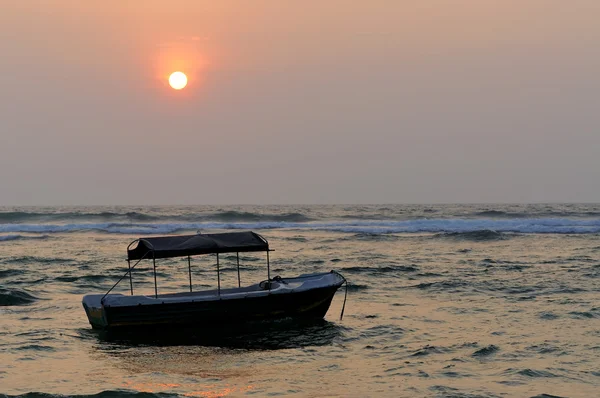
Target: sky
<point x="299" y="102"/>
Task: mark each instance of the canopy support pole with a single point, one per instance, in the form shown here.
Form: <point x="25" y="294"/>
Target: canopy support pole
<point x="268" y="270"/>
<point x="190" y="271"/>
<point x="124" y="275"/>
<point x="218" y="277"/>
<point x="238" y="267"/>
<point x="130" y="279"/>
<point x="154" y="265"/>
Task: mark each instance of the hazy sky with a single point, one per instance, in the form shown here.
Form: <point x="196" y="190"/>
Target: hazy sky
<point x="299" y="101"/>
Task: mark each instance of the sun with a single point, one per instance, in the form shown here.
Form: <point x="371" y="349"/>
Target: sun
<point x="178" y="80"/>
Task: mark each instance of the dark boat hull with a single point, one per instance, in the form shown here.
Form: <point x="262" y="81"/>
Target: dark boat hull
<point x="310" y="304"/>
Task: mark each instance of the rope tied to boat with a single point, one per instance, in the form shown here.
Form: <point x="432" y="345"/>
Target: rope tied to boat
<point x="345" y="293"/>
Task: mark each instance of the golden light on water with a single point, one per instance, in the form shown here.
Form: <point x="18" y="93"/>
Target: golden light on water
<point x="178" y="80"/>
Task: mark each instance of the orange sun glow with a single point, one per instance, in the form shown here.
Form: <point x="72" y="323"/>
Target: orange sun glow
<point x="178" y="80"/>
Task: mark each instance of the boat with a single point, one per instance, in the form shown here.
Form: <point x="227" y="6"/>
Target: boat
<point x="306" y="296"/>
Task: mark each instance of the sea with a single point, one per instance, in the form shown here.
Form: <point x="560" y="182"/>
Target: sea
<point x="442" y="301"/>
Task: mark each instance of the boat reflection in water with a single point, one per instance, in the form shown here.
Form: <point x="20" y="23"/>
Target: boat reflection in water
<point x="283" y="334"/>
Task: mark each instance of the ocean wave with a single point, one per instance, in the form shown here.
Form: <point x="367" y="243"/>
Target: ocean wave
<point x="486" y="351"/>
<point x="478" y="235"/>
<point x="428" y="350"/>
<point x="452" y="286"/>
<point x="355" y="287"/>
<point x="35" y="347"/>
<point x="103" y="394"/>
<point x="9" y="237"/>
<point x="27" y="260"/>
<point x="529" y="372"/>
<point x="10" y="297"/>
<point x="19" y="217"/>
<point x="457" y="226"/>
<point x="380" y="270"/>
<point x="23" y="216"/>
<point x="6" y="238"/>
<point x="499" y="213"/>
<point x="9" y="272"/>
<point x="535" y="214"/>
<point x="232" y="215"/>
<point x="294" y="214"/>
<point x="368" y="236"/>
<point x="87" y="279"/>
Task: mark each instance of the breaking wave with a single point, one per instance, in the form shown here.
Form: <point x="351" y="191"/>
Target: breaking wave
<point x="474" y="228"/>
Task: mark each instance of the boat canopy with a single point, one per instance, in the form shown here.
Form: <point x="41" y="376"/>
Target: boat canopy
<point x="191" y="245"/>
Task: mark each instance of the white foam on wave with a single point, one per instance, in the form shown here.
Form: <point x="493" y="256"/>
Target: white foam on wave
<point x="530" y="225"/>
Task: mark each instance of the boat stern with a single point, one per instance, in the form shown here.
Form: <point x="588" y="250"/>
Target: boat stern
<point x="92" y="303"/>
